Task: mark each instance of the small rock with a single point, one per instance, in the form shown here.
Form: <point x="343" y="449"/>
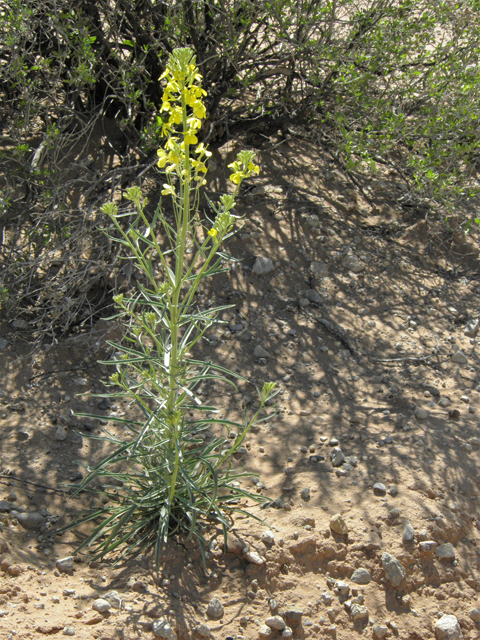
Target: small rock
<point x="29" y="521"/>
<point x="263" y="266"/>
<point x="337" y="457"/>
<point x="162" y="629"/>
<point x="260" y="352"/>
<point x="265" y="631"/>
<point x="326" y="598"/>
<point x="459" y="357"/>
<point x="319" y="269"/>
<point x="361" y="576"/>
<point x="379" y="489"/>
<point x="203" y="631"/>
<point x="115" y="599"/>
<point x="472" y="328"/>
<point x="104" y="404"/>
<point x="338" y="524"/>
<point x="394" y="571"/>
<point x="444" y="402"/>
<point x="445" y="552"/>
<point x="379" y="631"/>
<point x="447" y="628"/>
<point x="287" y="632"/>
<point x="408" y="532"/>
<point x="60" y="434"/>
<point x="6" y="506"/>
<point x="475" y="615"/>
<point x="101" y="605"/>
<point x="305" y="494"/>
<point x="352" y="263"/>
<point x="393" y="490"/>
<point x="254" y="557"/>
<point x="268" y="537"/>
<point x="427" y="546"/>
<point x="215" y="609"/>
<point x="293" y="614"/>
<point x="421" y="414"/>
<point x="65" y="565"/>
<point x="20" y="324"/>
<point x="342" y="588"/>
<point x="359" y="611"/>
<point x="69" y="630"/>
<point x="276" y="622"/>
<point x="312" y="296"/>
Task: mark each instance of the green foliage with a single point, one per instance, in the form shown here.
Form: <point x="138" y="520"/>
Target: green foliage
<point x="169" y="476"/>
<point x="394" y="82"/>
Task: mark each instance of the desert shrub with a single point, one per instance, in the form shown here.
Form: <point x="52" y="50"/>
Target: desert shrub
<point x="392" y="82"/>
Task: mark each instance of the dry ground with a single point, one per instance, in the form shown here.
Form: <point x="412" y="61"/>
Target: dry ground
<point x="398" y="288"/>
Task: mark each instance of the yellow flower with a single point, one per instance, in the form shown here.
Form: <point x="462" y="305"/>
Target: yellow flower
<point x="168" y="190"/>
<point x="190" y="138"/>
<point x="162" y="158"/>
<point x="212" y="233"/>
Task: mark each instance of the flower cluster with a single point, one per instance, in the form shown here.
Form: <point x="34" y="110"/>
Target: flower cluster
<point x="243" y="167"/>
<point x="182" y="101"/>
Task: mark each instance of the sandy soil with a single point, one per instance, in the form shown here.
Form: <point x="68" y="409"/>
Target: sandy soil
<point x="379" y="376"/>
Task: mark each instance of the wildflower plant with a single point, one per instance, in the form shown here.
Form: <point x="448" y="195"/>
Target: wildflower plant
<point x="171" y="475"/>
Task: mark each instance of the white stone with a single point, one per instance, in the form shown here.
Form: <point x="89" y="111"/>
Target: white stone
<point x="101" y="605"/>
<point x="268" y="537"/>
<point x="254" y="557"/>
<point x="276" y="622"/>
<point x="445" y="551"/>
<point x="162" y="629"/>
<point x="359" y="611"/>
<point x="447" y="628"/>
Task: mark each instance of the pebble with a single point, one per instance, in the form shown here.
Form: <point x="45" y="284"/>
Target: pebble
<point x="305" y="494"/>
<point x="427" y="546"/>
<point x="101" y="605"/>
<point x="393" y="490"/>
<point x="313" y="296"/>
<point x="268" y="537"/>
<point x="408" y="533"/>
<point x="333" y="442"/>
<point x="421" y="414"/>
<point x="359" y="611"/>
<point x="445" y="551"/>
<point x="475" y="615"/>
<point x="263" y="266"/>
<point x="293" y="614"/>
<point x="115" y="599"/>
<point x="203" y="631"/>
<point x="379" y="489"/>
<point x="459" y="357"/>
<point x="215" y="609"/>
<point x="254" y="557"/>
<point x="337" y="457"/>
<point x="276" y="622"/>
<point x="319" y="269"/>
<point x="394" y="571"/>
<point x="69" y="630"/>
<point x="265" y="631"/>
<point x="260" y="352"/>
<point x="444" y="402"/>
<point x="60" y="434"/>
<point x="342" y="587"/>
<point x="379" y="631"/>
<point x="162" y="629"/>
<point x="65" y="565"/>
<point x="472" y="328"/>
<point x="287" y="632"/>
<point x="361" y="576"/>
<point x="29" y="521"/>
<point x="338" y="524"/>
<point x="5" y="506"/>
<point x="447" y="628"/>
